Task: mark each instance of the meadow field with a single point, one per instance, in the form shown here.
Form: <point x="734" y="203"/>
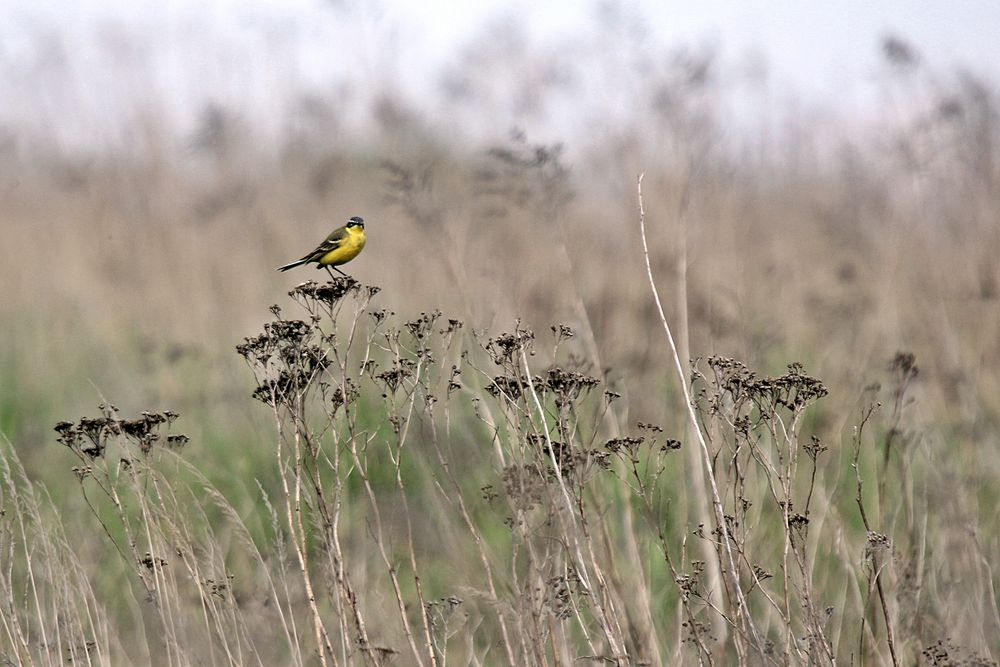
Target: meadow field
<point x="483" y="449"/>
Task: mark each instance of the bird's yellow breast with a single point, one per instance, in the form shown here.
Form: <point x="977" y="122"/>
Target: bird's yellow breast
<point x="349" y="248"/>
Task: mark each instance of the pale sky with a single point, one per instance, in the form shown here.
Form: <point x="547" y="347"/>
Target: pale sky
<point x="242" y="52"/>
<point x="812" y="44"/>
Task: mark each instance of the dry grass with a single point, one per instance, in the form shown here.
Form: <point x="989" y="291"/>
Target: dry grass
<point x="413" y="491"/>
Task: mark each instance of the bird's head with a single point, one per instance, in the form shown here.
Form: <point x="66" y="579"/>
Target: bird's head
<point x="356" y="221"/>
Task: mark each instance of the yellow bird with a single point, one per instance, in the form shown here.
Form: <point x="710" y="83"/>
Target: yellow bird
<point x="341" y="246"/>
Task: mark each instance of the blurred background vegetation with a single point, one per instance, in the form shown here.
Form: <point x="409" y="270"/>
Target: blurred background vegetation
<point x="141" y="226"/>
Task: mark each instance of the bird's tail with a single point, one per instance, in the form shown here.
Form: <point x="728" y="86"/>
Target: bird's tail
<point x="299" y="262"/>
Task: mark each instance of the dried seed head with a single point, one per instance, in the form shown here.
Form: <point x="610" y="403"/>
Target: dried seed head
<point x="562" y="332"/>
<point x="506" y="346"/>
<point x="524" y="485"/>
<point x="627" y="445"/>
<point x="422" y="326"/>
<point x="453" y="326"/>
<point x="814" y="447"/>
<point x="567" y="385"/>
<point x="285" y="386"/>
<point x="671" y="445"/>
<point x="90" y="436"/>
<point x="508" y="386"/>
<point x="393" y="377"/>
<point x="177" y="441"/>
<point x="149" y="561"/>
<point x="311" y="294"/>
<point x="344" y="394"/>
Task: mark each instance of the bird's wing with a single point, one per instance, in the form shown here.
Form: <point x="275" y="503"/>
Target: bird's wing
<point x="332" y="242"/>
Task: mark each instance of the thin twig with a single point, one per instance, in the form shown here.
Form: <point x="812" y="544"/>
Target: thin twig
<point x="706" y="456"/>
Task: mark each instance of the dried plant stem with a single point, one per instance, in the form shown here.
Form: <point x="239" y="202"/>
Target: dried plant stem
<point x="876" y="566"/>
<point x="378" y="533"/>
<point x="293" y="507"/>
<point x="706" y="456"/>
<point x="458" y="499"/>
<point x="713" y="567"/>
<point x="612" y="634"/>
<point x="398" y="461"/>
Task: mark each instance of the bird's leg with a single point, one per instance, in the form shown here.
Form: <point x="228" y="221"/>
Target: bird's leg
<point x="328" y="267"/>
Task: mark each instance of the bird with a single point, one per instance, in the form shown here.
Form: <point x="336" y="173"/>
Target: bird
<point x="341" y="246"/>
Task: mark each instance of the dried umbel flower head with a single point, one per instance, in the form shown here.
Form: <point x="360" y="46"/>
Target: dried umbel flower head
<point x="945" y="653"/>
<point x="628" y="446"/>
<point x="177" y="441"/>
<point x="453" y="326"/>
<point x="286" y="359"/>
<point x="876" y="544"/>
<point x="422" y="326"/>
<point x="569" y="457"/>
<point x="559" y="593"/>
<point x="734" y="381"/>
<point x="394" y="376"/>
<point x="150" y="562"/>
<point x="904" y="371"/>
<point x="567" y="386"/>
<point x="89" y="437"/>
<point x="652" y="428"/>
<point x="508" y="386"/>
<point x="312" y="294"/>
<point x="561" y="332"/>
<point x="814" y="447"/>
<point x="453" y="381"/>
<point x="277" y="390"/>
<point x="277" y="336"/>
<point x="344" y="394"/>
<point x="524" y="485"/>
<point x="504" y="348"/>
